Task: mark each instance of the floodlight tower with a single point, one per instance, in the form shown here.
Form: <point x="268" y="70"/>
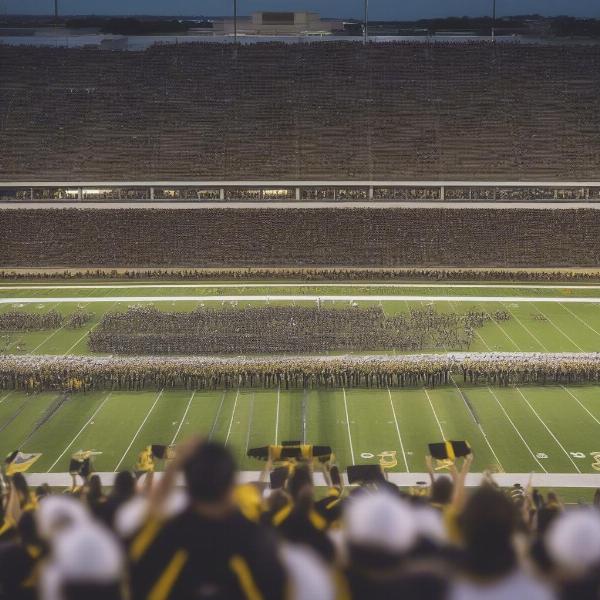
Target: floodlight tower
<point x="56" y="11"/>
<point x="493" y="20"/>
<point x="235" y="21"/>
<point x="366" y="32"/>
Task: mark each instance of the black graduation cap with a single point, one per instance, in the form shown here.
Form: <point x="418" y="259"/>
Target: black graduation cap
<point x="365" y="474"/>
<point x="10" y="457"/>
<point x="291" y="450"/>
<point x="336" y="480"/>
<point x="449" y="450"/>
<point x="162" y="452"/>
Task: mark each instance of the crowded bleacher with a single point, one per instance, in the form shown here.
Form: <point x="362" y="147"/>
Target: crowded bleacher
<point x="317" y="237"/>
<point x="390" y="111"/>
<point x="214" y="538"/>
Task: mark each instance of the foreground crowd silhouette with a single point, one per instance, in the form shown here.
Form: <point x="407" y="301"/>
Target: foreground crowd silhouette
<point x="214" y="539"/>
<point x="355" y="237"/>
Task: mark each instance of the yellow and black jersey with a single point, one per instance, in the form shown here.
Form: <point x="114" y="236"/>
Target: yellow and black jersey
<point x="307" y="527"/>
<point x="192" y="556"/>
<point x="330" y="507"/>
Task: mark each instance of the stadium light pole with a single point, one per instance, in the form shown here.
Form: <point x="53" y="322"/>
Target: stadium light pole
<point x="366" y="34"/>
<point x="235" y="21"/>
<point x="493" y="20"/>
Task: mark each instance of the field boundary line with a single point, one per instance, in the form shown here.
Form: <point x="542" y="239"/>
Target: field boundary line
<point x="398" y="429"/>
<point x="478" y="423"/>
<point x="579" y="318"/>
<point x="216" y="418"/>
<point x="548" y="429"/>
<point x="304" y="298"/>
<point x="237" y="395"/>
<point x="434" y="413"/>
<point x="6" y="396"/>
<point x="526" y="329"/>
<point x="579" y="402"/>
<point x="312" y="284"/>
<point x="187" y="408"/>
<point x="139" y="429"/>
<point x="560" y="330"/>
<point x="80" y="432"/>
<point x="537" y="460"/>
<point x="348" y="425"/>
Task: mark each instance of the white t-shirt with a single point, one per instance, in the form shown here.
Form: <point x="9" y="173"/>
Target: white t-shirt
<point x="512" y="587"/>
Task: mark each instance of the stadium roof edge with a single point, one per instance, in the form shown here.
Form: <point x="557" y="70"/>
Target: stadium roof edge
<point x="299" y="183"/>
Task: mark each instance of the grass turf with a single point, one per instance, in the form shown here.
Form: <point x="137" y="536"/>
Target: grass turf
<point x="534" y="326"/>
<point x="526" y="429"/>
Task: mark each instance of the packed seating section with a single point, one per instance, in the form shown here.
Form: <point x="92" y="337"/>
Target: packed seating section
<point x="300" y="238"/>
<point x="393" y="111"/>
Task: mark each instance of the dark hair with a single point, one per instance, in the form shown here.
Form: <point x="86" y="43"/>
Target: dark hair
<point x="21" y="487"/>
<point x="488" y="522"/>
<point x="209" y="472"/>
<point x="123" y="486"/>
<point x="94" y="489"/>
<point x="441" y="490"/>
<point x="299" y="480"/>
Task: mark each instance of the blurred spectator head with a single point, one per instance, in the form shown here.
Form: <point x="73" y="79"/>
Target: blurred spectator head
<point x="59" y="513"/>
<point x="86" y="563"/>
<point x="441" y="490"/>
<point x="209" y="473"/>
<point x="379" y="528"/>
<point x="488" y="522"/>
<point x="573" y="541"/>
<point x="124" y="485"/>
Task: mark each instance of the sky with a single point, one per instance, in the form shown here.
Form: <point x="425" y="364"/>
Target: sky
<point x="379" y="9"/>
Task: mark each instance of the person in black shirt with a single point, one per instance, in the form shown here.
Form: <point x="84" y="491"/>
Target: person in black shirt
<point x="209" y="551"/>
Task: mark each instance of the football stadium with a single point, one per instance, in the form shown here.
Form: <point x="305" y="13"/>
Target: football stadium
<point x="300" y="320"/>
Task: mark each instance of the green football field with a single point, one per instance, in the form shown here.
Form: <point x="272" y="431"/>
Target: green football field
<point x="514" y="430"/>
<point x="551" y="318"/>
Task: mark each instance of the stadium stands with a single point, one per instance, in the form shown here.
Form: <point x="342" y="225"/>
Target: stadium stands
<point x="400" y="111"/>
<point x="300" y="237"/>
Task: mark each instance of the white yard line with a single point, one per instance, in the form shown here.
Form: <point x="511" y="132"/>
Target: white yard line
<point x="560" y="330"/>
<point x="218" y="413"/>
<point x="579" y="319"/>
<point x="139" y="429"/>
<point x="79" y="432"/>
<point x="348" y="426"/>
<point x="6" y="396"/>
<point x="579" y="402"/>
<point x="398" y="430"/>
<point x="517" y="430"/>
<point x="300" y="298"/>
<point x="526" y="329"/>
<point x="547" y="429"/>
<point x="313" y="284"/>
<point x="479" y="425"/>
<point x="237" y="395"/>
<point x="277" y="415"/>
<point x="434" y="413"/>
<point x="187" y="408"/>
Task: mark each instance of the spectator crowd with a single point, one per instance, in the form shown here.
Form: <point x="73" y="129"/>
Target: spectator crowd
<point x="388" y="111"/>
<point x="85" y="373"/>
<point x="300" y="238"/>
<point x="215" y="539"/>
